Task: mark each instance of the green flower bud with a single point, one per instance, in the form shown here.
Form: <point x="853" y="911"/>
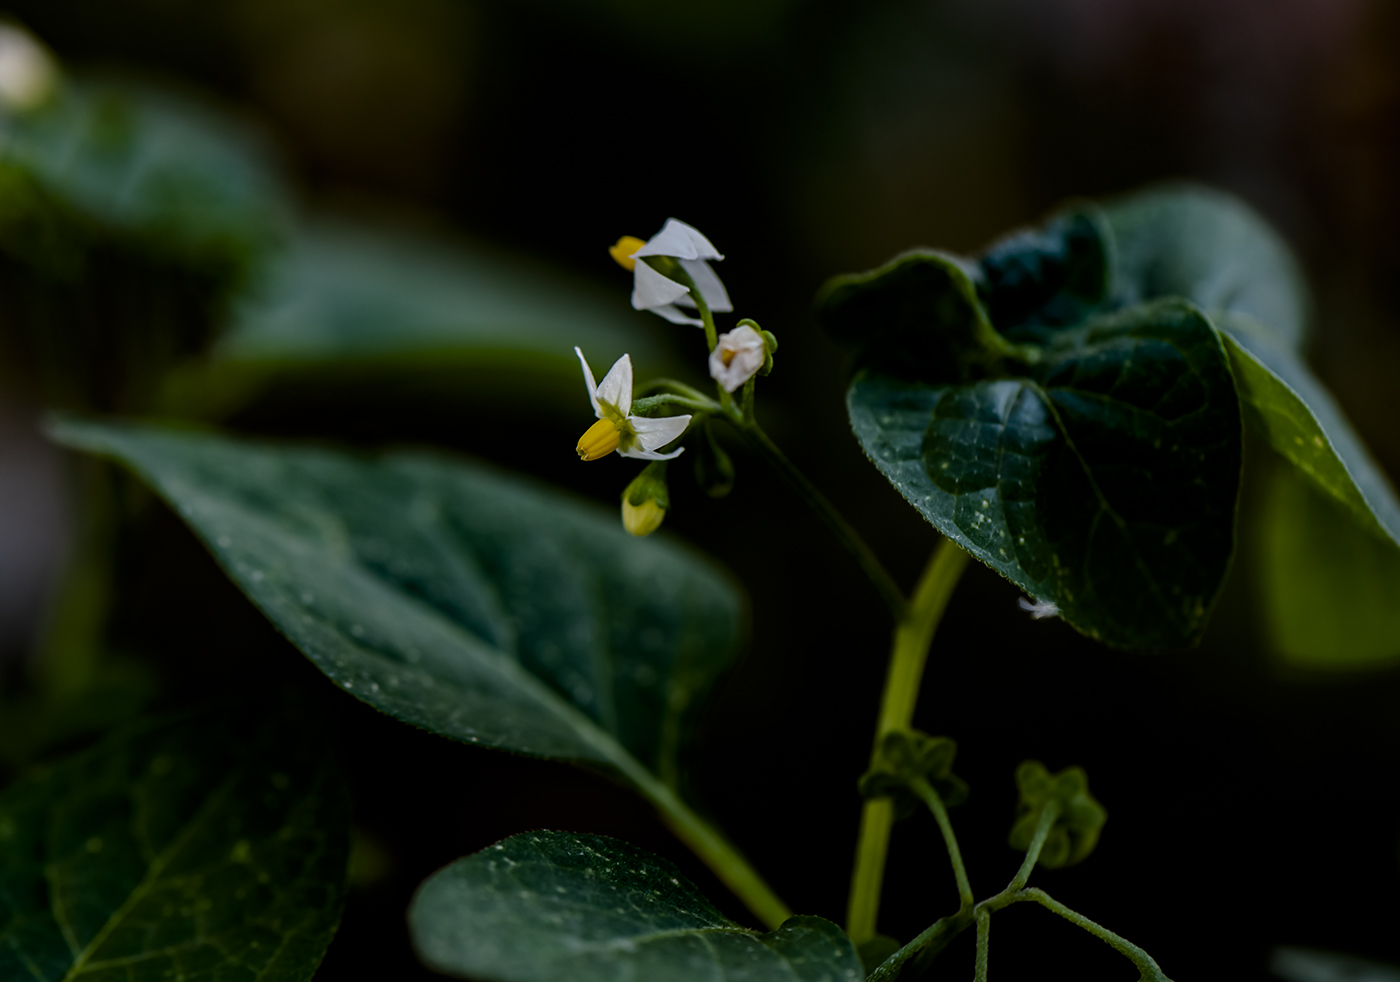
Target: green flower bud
<point x="1080" y="818"/>
<point x="645" y="500"/>
<point x="903" y="755"/>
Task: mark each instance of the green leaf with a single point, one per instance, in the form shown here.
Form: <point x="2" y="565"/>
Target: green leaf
<point x="1208" y="247"/>
<point x="186" y="181"/>
<point x="457" y="598"/>
<point x="1297" y="416"/>
<point x="1330" y="589"/>
<point x="212" y="845"/>
<point x="1103" y="480"/>
<point x="543" y="906"/>
<point x="380" y="296"/>
<point x="1329" y="525"/>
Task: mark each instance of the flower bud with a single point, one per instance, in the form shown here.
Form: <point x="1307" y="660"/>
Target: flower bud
<point x="1080" y="818"/>
<point x="28" y="72"/>
<point x="645" y="500"/>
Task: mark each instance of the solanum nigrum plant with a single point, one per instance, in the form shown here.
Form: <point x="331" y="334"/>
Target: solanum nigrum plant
<point x="1069" y="408"/>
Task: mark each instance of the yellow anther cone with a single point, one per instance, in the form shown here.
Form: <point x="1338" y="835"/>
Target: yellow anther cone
<point x="622" y="251"/>
<point x="599" y="440"/>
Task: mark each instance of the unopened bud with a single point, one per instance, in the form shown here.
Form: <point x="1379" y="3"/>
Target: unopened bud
<point x="645" y="500"/>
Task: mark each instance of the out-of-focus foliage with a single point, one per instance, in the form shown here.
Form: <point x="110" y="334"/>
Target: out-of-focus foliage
<point x="211" y="844"/>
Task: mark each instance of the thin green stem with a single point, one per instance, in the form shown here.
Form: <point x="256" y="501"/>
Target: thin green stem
<point x="679" y="388"/>
<point x="1149" y="968"/>
<point x="646" y="405"/>
<point x="909" y="653"/>
<point x="1048" y="814"/>
<point x="683" y="278"/>
<point x="826" y="511"/>
<point x="717" y="853"/>
<point x="984" y="933"/>
<point x="931" y="798"/>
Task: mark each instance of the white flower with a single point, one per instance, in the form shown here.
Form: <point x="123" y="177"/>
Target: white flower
<point x="617" y="429"/>
<point x="654" y="292"/>
<point x="738" y="355"/>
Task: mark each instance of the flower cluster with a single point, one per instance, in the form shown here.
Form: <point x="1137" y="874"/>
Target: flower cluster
<point x="671" y="270"/>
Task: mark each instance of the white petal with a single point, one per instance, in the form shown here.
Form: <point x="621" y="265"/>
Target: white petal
<point x="657" y="431"/>
<point x="650" y="454"/>
<point x="588" y="380"/>
<point x="707" y="282"/>
<point x="674" y="314"/>
<point x="679" y="240"/>
<point x="746" y="356"/>
<point x="651" y="289"/>
<point x="616" y="387"/>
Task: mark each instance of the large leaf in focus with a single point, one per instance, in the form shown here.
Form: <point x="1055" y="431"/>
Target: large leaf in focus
<point x="1102" y="479"/>
<point x="543" y="906"/>
<point x="187" y="181"/>
<point x="346" y="292"/>
<point x="454" y="597"/>
<point x="1211" y="248"/>
<point x="211" y="846"/>
<point x="1329" y="552"/>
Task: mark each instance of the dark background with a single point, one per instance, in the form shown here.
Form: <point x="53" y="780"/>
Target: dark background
<point x="1249" y="806"/>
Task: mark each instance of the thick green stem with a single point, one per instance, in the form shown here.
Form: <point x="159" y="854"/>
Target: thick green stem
<point x="826" y="511"/>
<point x="1149" y="968"/>
<point x="931" y="798"/>
<point x="984" y="933"/>
<point x="910" y="651"/>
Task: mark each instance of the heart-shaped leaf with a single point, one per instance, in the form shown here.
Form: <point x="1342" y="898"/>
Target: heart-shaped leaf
<point x="543" y="906"/>
<point x="1102" y="479"/>
<point x="450" y="595"/>
<point x="465" y="601"/>
<point x="212" y="845"/>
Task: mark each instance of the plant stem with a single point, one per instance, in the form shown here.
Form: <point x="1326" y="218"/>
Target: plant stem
<point x="826" y="511"/>
<point x="1048" y="814"/>
<point x="683" y="278"/>
<point x="984" y="932"/>
<point x="910" y="651"/>
<point x="718" y="854"/>
<point x="930" y="796"/>
<point x="1149" y="968"/>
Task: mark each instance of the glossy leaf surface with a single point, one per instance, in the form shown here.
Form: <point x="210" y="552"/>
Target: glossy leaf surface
<point x="1102" y="479"/>
<point x="557" y="905"/>
<point x="211" y="846"/>
<point x="452" y="596"/>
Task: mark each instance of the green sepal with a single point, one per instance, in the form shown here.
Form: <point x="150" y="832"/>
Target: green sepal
<point x="649" y="485"/>
<point x="904" y="755"/>
<point x="770" y="343"/>
<point x="714" y="470"/>
<point x="1076" y="829"/>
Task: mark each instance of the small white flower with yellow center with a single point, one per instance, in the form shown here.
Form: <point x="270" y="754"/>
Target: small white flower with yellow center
<point x="739" y="354"/>
<point x="659" y="294"/>
<point x="617" y="429"/>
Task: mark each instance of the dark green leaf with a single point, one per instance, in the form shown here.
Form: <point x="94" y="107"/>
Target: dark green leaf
<point x="1212" y="249"/>
<point x="211" y="846"/>
<point x="1103" y="480"/>
<point x="185" y="180"/>
<point x="348" y="292"/>
<point x="454" y="597"/>
<point x="1054" y="274"/>
<point x="1296" y="415"/>
<point x="544" y="906"/>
